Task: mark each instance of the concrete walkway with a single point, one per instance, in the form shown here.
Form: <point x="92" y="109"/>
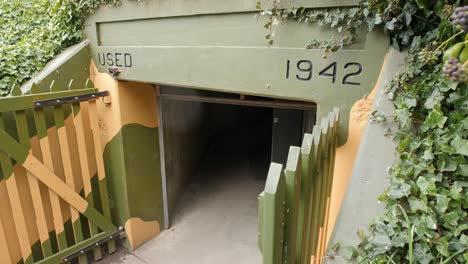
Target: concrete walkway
<point x="216" y="219"/>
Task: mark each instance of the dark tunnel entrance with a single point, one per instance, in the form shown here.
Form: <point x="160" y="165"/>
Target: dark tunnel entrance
<point x="217" y="151"/>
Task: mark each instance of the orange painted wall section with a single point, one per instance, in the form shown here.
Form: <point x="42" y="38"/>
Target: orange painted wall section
<point x="346" y="155"/>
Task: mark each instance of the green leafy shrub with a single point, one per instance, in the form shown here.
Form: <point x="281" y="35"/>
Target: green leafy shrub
<point x="32" y="32"/>
<point x="426" y="218"/>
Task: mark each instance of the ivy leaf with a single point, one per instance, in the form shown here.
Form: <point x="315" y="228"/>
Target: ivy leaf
<point x="428" y="155"/>
<point x="381" y="242"/>
<point x="348" y="252"/>
<point x="460" y="229"/>
<point x="407" y="18"/>
<point x="425" y="186"/>
<point x="451" y="218"/>
<point x="378" y="19"/>
<point x="446" y="163"/>
<point x="442" y="246"/>
<point x="435" y="98"/>
<point x="463" y="170"/>
<point x="464" y="239"/>
<point x="422" y="254"/>
<point x="442" y="203"/>
<point x="460" y="145"/>
<point x="455" y="191"/>
<point x="435" y="119"/>
<point x="391" y="25"/>
<point x="417" y="204"/>
<point x="399" y="191"/>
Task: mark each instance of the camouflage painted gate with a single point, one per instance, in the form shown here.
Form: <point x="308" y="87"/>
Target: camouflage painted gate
<point x="51" y="161"/>
<point x="294" y="207"/>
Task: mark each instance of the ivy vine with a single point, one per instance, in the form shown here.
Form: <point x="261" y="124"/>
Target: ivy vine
<point x="426" y="214"/>
<point x="34" y="32"/>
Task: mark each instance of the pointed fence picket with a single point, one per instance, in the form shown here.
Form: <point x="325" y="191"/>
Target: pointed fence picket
<point x="294" y="207"/>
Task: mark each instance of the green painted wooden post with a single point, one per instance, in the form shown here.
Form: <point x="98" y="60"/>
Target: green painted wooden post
<point x="317" y="148"/>
<point x="307" y="188"/>
<point x="328" y="132"/>
<point x="305" y="214"/>
<point x="323" y="188"/>
<point x="260" y="220"/>
<point x="293" y="192"/>
<point x="273" y="215"/>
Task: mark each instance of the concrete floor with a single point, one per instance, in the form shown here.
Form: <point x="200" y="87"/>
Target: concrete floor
<point x="216" y="218"/>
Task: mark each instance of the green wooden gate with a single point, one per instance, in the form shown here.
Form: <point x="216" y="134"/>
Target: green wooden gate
<point x="294" y="206"/>
<point x="50" y="141"/>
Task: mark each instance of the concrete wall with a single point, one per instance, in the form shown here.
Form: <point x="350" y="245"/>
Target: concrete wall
<point x="184" y="144"/>
<point x="369" y="171"/>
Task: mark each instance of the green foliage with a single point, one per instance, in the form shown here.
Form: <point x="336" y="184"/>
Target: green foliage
<point x="347" y="21"/>
<point x="426" y="215"/>
<point x="34" y="31"/>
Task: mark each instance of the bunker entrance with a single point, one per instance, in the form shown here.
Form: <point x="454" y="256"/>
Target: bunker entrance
<point x="217" y="148"/>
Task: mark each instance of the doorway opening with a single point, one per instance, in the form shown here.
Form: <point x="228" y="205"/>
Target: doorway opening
<point x="217" y="151"/>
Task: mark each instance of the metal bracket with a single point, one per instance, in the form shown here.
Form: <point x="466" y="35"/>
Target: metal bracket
<point x="70" y="99"/>
<point x="103" y="240"/>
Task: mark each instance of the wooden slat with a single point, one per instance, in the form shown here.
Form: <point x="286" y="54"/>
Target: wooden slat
<point x="4" y="245"/>
<point x="66" y="193"/>
<point x="101" y="173"/>
<point x="325" y="149"/>
<point x="333" y="119"/>
<point x="20" y="153"/>
<point x="69" y="180"/>
<point x="317" y="148"/>
<point x="303" y="211"/>
<point x="85" y="165"/>
<point x="308" y="185"/>
<point x="327" y="186"/>
<point x="323" y="185"/>
<point x="41" y="222"/>
<point x="260" y="220"/>
<point x="58" y="220"/>
<point x="18" y="216"/>
<point x="308" y="166"/>
<point x="293" y="192"/>
<point x="15" y="203"/>
<point x="273" y="215"/>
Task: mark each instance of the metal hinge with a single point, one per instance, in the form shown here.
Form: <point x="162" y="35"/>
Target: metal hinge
<point x="71" y="99"/>
<point x="116" y="234"/>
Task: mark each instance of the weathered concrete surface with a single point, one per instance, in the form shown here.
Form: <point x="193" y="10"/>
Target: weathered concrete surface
<point x="215" y="220"/>
<point x="369" y="177"/>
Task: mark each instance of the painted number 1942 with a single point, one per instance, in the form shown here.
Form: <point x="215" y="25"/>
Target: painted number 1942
<point x="304" y="70"/>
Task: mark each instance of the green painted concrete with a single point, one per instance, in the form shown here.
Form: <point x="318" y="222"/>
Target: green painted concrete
<point x="134" y="177"/>
<point x="369" y="177"/>
<point x="184" y="144"/>
<point x="206" y="46"/>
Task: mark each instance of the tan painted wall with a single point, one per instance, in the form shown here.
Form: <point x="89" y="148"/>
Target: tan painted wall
<point x="129" y="103"/>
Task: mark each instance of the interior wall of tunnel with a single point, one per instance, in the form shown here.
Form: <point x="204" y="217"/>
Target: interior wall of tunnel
<point x="192" y="130"/>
